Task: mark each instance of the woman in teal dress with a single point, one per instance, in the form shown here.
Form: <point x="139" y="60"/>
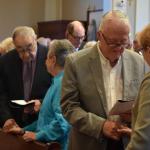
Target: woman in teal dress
<point x="51" y="125"/>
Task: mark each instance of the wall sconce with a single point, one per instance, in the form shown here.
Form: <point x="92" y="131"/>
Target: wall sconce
<point x="120" y="5"/>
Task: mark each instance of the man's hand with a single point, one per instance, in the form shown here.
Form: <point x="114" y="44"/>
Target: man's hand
<point x="9" y="124"/>
<point x="16" y="130"/>
<point x="29" y="136"/>
<point x="110" y="130"/>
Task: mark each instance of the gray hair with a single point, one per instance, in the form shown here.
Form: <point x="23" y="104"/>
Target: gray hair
<point x="60" y="48"/>
<point x="23" y="31"/>
<point x="114" y="14"/>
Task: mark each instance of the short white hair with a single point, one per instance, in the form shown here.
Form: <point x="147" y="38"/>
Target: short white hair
<point x="60" y="48"/>
<point x="114" y="14"/>
<point x="23" y="31"/>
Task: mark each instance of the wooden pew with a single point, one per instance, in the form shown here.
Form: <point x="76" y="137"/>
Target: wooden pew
<point x="13" y="142"/>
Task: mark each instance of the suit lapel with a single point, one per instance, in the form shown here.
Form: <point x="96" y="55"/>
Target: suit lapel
<point x="40" y="61"/>
<point x="96" y="71"/>
<point x="126" y="75"/>
<point x="17" y="67"/>
<point x="37" y="69"/>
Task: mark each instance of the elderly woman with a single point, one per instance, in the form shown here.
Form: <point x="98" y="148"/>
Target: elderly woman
<point x="140" y="137"/>
<point x="51" y="125"/>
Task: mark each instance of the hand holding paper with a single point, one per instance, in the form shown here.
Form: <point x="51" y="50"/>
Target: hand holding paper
<point x="123" y="109"/>
<point x="31" y="106"/>
<point x="22" y="102"/>
<point x="110" y="129"/>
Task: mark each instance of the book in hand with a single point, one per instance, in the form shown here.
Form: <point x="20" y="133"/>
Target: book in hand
<point x="22" y="102"/>
<point x="27" y="106"/>
<point x="122" y="107"/>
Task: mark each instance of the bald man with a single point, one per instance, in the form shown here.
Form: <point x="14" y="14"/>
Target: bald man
<point x="94" y="79"/>
<point x="75" y="33"/>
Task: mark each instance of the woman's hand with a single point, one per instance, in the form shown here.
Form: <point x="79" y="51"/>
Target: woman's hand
<point x="123" y="130"/>
<point x="29" y="136"/>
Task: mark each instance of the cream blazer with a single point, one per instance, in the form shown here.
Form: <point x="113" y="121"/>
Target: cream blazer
<point x="140" y="139"/>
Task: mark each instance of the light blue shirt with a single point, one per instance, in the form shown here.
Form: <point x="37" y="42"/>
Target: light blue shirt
<point x="51" y="125"/>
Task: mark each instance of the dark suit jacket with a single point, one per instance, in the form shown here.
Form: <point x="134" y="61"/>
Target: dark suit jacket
<point x="11" y="84"/>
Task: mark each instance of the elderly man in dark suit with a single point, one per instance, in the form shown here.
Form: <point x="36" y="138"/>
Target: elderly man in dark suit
<point x="23" y="75"/>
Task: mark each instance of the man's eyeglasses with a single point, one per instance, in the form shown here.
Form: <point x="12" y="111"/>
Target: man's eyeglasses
<point x="26" y="48"/>
<point x="78" y="37"/>
<point x="115" y="45"/>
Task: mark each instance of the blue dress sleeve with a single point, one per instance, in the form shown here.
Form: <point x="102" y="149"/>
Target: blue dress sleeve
<point x="58" y="128"/>
<point x="31" y="127"/>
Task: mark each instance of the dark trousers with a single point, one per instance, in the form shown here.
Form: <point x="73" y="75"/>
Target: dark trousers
<point x="115" y="145"/>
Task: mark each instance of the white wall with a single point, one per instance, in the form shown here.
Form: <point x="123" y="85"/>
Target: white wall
<point x="53" y="10"/>
<point x="29" y="12"/>
<point x="131" y="12"/>
<point x="142" y="16"/>
<point x="78" y="8"/>
<point x="19" y="12"/>
<point x="107" y="5"/>
<point x="138" y="12"/>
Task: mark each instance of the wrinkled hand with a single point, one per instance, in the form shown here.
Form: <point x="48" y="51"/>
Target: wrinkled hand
<point x="29" y="136"/>
<point x="37" y="105"/>
<point x="16" y="130"/>
<point x="110" y="130"/>
<point x="9" y="124"/>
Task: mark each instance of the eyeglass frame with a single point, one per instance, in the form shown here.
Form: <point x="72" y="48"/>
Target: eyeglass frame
<point x="78" y="37"/>
<point x="115" y="45"/>
<point x="26" y="48"/>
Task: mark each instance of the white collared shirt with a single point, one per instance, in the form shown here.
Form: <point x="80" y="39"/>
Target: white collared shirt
<point x="77" y="49"/>
<point x="112" y="77"/>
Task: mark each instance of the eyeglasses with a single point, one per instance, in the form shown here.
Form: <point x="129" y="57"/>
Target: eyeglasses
<point x="115" y="45"/>
<point x="26" y="48"/>
<point x="78" y="37"/>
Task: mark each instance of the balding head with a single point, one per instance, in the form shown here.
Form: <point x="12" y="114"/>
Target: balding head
<point x="75" y="33"/>
<point x="74" y="26"/>
<point x="115" y="21"/>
